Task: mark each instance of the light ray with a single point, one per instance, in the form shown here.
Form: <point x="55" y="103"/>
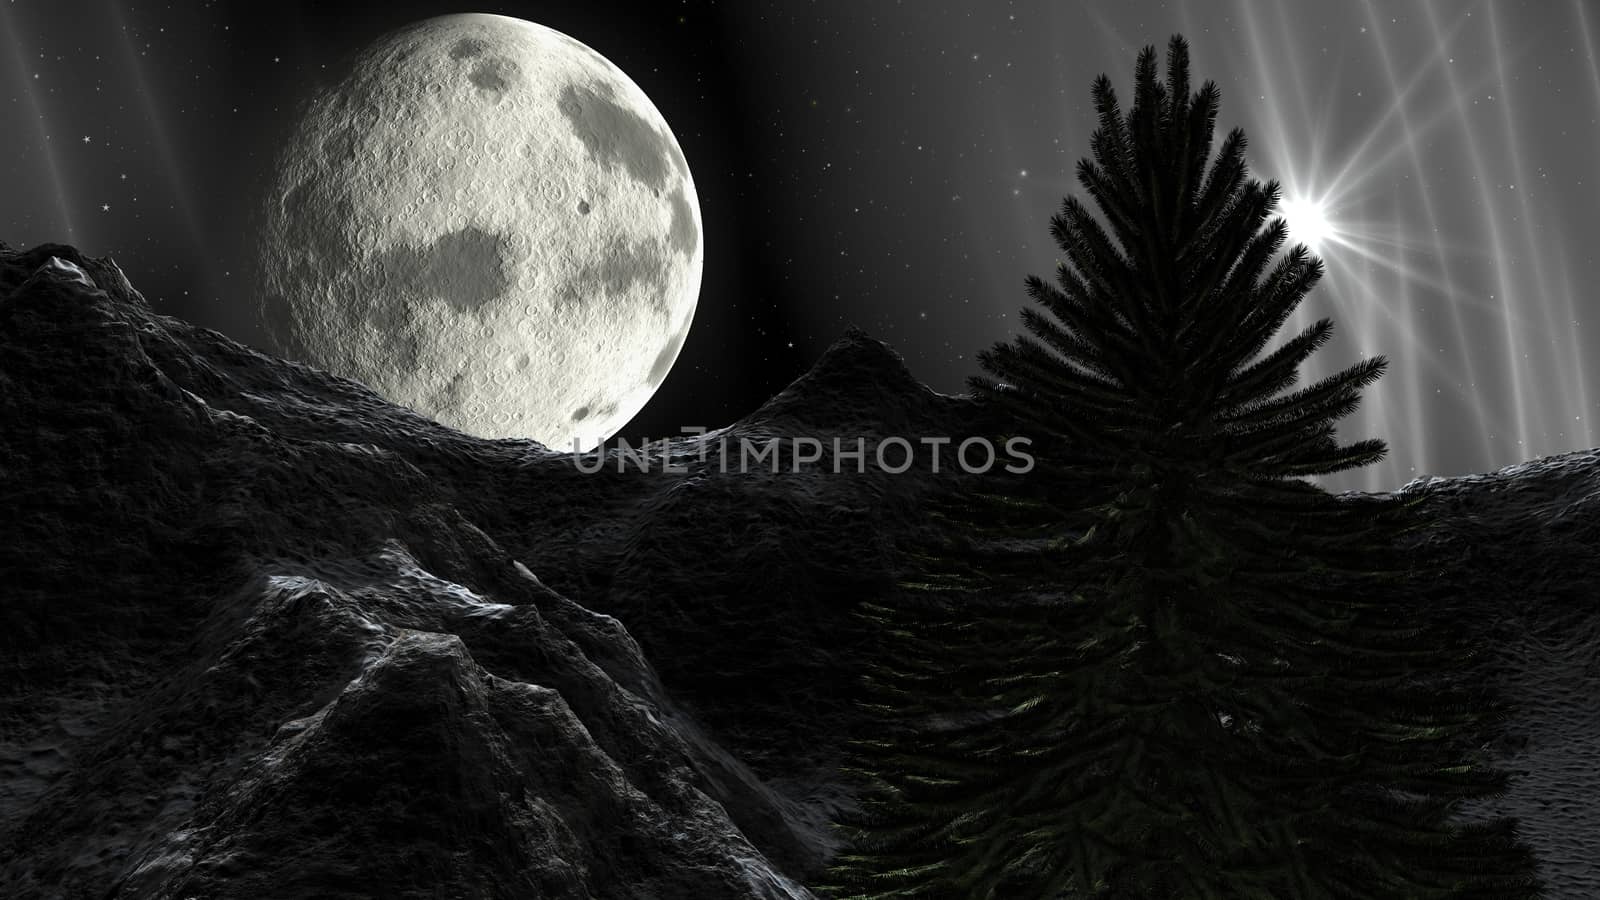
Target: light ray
<point x="1434" y="272"/>
<point x="1417" y="414"/>
<point x="52" y="170"/>
<point x="1514" y="338"/>
<point x="1398" y="111"/>
<point x="176" y="182"/>
<point x="1574" y="337"/>
<point x="1545" y="301"/>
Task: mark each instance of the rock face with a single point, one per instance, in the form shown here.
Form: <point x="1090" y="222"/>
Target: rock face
<point x="245" y="659"/>
<point x="1522" y="547"/>
<point x="266" y="635"/>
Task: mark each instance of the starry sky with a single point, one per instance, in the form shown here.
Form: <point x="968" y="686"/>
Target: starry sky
<point x="894" y="165"/>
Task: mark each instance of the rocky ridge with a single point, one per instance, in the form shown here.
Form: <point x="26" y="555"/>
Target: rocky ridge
<point x="265" y="634"/>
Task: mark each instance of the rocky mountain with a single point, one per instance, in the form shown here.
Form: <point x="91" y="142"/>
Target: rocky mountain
<point x="1522" y="552"/>
<point x="266" y="635"/>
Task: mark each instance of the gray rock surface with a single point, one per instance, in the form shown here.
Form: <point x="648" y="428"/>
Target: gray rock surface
<point x="263" y="634"/>
<point x="255" y="644"/>
<point x="1522" y="567"/>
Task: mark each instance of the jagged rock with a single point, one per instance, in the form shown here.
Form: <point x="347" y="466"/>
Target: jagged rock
<point x="264" y="634"/>
<point x="1522" y="566"/>
<point x="247" y="661"/>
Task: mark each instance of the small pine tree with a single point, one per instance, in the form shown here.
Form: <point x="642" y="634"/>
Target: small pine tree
<point x="1164" y="664"/>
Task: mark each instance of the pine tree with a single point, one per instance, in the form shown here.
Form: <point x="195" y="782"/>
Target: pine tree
<point x="1165" y="663"/>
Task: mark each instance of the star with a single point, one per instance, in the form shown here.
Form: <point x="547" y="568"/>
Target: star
<point x="86" y="139"/>
<point x="105" y="207"/>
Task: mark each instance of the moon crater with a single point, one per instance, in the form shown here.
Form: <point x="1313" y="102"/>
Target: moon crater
<point x="487" y="221"/>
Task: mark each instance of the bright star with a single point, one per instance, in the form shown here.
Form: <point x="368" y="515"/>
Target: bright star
<point x="1309" y="221"/>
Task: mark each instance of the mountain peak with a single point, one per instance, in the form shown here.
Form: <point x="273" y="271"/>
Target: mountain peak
<point x="857" y="381"/>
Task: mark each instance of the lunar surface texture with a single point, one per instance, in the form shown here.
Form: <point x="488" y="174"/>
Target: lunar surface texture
<point x="487" y="221"/>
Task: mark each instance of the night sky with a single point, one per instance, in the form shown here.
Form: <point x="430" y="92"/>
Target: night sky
<point x="894" y="165"/>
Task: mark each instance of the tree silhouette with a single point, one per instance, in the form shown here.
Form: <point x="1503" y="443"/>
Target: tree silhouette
<point x="1165" y="664"/>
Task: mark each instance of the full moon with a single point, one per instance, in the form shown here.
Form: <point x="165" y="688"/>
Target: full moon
<point x="487" y="221"/>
